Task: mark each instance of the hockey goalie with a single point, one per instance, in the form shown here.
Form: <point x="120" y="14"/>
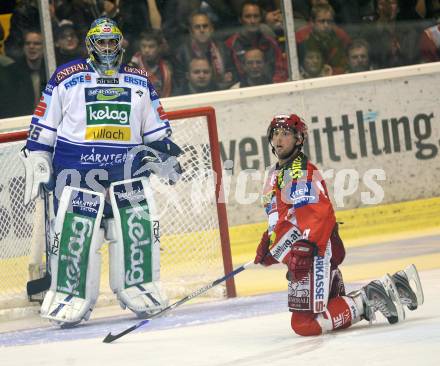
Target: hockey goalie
<point x="97" y="133"/>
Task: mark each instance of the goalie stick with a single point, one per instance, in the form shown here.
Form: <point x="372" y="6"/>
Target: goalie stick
<point x="42" y="284"/>
<point x="111" y="337"/>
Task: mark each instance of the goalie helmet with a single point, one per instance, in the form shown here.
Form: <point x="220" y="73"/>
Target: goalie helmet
<point x="104" y="45"/>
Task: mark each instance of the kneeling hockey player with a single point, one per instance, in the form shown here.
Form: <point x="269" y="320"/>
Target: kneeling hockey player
<point x="93" y="116"/>
<point x="302" y="233"/>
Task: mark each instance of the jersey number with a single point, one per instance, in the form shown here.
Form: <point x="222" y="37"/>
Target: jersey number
<point x="34" y="132"/>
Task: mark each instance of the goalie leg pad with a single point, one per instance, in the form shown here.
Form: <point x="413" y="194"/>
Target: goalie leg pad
<point x="75" y="258"/>
<point x="134" y="248"/>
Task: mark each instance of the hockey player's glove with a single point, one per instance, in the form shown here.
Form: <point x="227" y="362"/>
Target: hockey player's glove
<point x="263" y="254"/>
<point x="302" y="254"/>
<point x="161" y="159"/>
<point x="164" y="166"/>
<point x="38" y="173"/>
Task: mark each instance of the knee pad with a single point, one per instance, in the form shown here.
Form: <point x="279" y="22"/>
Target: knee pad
<point x="134" y="248"/>
<point x="74" y="257"/>
<point x="305" y="323"/>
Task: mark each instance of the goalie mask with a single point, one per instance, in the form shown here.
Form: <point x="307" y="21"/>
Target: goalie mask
<point x="104" y="45"/>
<point x="289" y="122"/>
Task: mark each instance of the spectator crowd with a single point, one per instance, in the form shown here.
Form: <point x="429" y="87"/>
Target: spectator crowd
<point x="195" y="46"/>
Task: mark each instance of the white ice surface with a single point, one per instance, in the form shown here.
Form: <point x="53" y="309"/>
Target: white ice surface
<point x="239" y="332"/>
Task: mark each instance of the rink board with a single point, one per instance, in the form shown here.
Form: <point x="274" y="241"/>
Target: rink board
<point x="361" y="227"/>
<point x="170" y="245"/>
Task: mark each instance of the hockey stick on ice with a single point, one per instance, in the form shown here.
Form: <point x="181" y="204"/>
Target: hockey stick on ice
<point x="42" y="284"/>
<point x="111" y="337"/>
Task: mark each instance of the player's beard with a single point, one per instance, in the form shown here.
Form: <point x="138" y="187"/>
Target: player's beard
<point x="286" y="155"/>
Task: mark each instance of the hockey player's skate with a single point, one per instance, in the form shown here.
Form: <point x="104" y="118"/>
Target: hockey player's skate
<point x="409" y="287"/>
<point x="382" y="295"/>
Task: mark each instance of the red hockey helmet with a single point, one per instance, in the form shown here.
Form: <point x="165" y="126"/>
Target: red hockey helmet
<point x="290" y="122"/>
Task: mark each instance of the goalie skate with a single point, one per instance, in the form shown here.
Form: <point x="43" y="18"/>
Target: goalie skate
<point x="409" y="287"/>
<point x="382" y="295"/>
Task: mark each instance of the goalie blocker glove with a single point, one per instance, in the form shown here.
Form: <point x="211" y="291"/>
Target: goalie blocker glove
<point x="161" y="159"/>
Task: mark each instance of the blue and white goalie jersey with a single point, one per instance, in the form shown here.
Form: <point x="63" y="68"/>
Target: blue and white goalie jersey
<point x="89" y="121"/>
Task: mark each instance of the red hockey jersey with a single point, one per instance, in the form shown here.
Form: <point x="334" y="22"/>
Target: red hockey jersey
<point x="296" y="195"/>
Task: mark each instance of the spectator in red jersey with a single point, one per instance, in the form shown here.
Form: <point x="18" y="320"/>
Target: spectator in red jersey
<point x="149" y="57"/>
<point x="254" y="66"/>
<point x="322" y="33"/>
<point x="251" y="36"/>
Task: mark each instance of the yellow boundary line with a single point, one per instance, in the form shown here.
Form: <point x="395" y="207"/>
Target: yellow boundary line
<point x="362" y="226"/>
<point x="260" y="280"/>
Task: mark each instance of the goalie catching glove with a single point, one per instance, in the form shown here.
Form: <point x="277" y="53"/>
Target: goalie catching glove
<point x="38" y="173"/>
<point x="161" y="159"/>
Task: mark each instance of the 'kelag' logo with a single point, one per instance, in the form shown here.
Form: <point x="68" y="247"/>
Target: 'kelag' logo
<point x="108" y="114"/>
<point x="137" y="246"/>
<point x="74" y="253"/>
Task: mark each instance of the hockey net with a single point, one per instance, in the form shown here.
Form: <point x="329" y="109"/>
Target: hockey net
<point x="195" y="247"/>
